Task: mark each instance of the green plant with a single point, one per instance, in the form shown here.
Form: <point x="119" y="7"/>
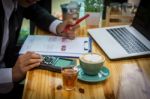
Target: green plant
<point x="93" y="5"/>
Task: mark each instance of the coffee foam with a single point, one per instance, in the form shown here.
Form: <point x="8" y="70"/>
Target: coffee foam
<point x="92" y="58"/>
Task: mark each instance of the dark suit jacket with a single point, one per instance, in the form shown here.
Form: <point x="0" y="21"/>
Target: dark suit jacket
<point x="36" y="13"/>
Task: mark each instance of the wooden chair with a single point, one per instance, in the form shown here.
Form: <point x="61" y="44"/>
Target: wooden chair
<point x="114" y="18"/>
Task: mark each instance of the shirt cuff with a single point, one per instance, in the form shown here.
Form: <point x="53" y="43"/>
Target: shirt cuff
<point x="53" y="26"/>
<point x="5" y="75"/>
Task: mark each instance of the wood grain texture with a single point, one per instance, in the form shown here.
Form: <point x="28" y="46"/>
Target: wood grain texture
<point x="129" y="79"/>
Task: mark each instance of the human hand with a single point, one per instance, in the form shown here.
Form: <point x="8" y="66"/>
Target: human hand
<point x="25" y="63"/>
<point x="70" y="32"/>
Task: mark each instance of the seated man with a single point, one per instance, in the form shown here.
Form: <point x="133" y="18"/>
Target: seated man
<point x="12" y="68"/>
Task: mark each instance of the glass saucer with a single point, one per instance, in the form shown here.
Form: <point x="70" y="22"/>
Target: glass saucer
<point x="101" y="76"/>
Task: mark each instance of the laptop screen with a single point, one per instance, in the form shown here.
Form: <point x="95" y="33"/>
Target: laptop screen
<point x="142" y="19"/>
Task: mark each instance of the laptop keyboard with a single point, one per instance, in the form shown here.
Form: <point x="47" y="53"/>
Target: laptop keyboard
<point x="127" y="40"/>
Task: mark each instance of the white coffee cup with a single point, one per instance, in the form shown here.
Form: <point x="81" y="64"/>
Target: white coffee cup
<point x="91" y="63"/>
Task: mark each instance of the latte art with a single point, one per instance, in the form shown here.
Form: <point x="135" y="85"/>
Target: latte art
<point x="92" y="58"/>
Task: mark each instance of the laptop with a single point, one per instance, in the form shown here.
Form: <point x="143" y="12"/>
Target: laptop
<point x="127" y="40"/>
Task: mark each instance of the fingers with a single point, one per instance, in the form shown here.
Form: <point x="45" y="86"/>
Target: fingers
<point x="69" y="22"/>
<point x="30" y="58"/>
<point x="75" y="27"/>
<point x="63" y="25"/>
<point x="67" y="16"/>
<point x="71" y="32"/>
<point x="31" y="66"/>
<point x="65" y="30"/>
<point x="33" y="55"/>
<point x="33" y="61"/>
<point x="24" y="63"/>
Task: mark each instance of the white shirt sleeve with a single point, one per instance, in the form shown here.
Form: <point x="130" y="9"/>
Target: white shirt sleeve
<point x="5" y="75"/>
<point x="53" y="26"/>
<point x="6" y="84"/>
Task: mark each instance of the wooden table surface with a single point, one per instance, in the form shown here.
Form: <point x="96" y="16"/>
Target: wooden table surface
<point x="129" y="79"/>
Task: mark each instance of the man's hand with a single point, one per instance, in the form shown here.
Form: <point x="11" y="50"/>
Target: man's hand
<point x="70" y="32"/>
<point x="24" y="63"/>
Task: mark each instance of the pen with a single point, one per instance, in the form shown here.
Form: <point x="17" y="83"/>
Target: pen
<point x="77" y="22"/>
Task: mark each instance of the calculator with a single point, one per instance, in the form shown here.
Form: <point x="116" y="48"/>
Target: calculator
<point x="54" y="63"/>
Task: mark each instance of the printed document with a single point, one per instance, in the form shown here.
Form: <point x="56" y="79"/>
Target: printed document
<point x="56" y="45"/>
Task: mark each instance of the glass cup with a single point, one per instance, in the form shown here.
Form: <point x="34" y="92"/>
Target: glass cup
<point x="69" y="77"/>
<point x="70" y="10"/>
<point x="127" y="8"/>
<point x="115" y="7"/>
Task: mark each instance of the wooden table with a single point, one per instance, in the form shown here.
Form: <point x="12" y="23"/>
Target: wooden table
<point x="129" y="79"/>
